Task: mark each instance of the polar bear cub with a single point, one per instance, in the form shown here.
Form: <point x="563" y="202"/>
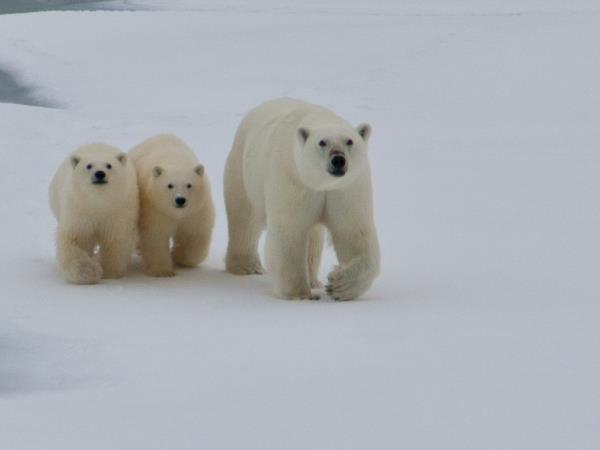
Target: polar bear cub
<point x="94" y="197"/>
<point x="296" y="169"/>
<point x="176" y="208"/>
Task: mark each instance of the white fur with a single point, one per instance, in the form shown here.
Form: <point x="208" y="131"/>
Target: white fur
<point x="160" y="162"/>
<point x="277" y="178"/>
<point x="96" y="223"/>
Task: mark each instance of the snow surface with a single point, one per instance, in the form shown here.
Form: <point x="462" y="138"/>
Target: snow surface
<point x="482" y="330"/>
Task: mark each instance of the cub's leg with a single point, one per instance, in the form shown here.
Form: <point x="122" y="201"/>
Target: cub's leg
<point x="155" y="248"/>
<point x="192" y="242"/>
<point x="74" y="252"/>
<point x="115" y="252"/>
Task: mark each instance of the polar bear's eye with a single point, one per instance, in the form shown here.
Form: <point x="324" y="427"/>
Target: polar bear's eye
<point x="89" y="167"/>
<point x="349" y="142"/>
<point x="109" y="166"/>
<point x="322" y="143"/>
<point x="189" y="185"/>
<point x="170" y="186"/>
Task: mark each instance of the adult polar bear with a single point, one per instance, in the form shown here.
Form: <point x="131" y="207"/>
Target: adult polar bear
<point x="295" y="168"/>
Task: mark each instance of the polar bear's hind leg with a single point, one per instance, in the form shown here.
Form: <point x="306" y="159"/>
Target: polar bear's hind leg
<point x="244" y="229"/>
<point x="242" y="252"/>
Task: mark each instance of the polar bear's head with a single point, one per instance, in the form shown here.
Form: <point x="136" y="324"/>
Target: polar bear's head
<point x="330" y="158"/>
<point x="176" y="191"/>
<point x="99" y="168"/>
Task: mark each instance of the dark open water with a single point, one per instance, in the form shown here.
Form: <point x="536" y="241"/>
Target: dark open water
<point x="14" y="90"/>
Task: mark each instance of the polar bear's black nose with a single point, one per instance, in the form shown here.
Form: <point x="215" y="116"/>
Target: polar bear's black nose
<point x="180" y="202"/>
<point x="337" y="165"/>
<point x="338" y="162"/>
<point x="100" y="175"/>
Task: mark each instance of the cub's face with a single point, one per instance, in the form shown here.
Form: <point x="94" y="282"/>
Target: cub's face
<point x="176" y="192"/>
<point x="329" y="159"/>
<point x="99" y="171"/>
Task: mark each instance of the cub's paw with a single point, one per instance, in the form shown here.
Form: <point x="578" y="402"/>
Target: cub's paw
<point x="113" y="274"/>
<point x="316" y="284"/>
<point x="85" y="271"/>
<point x="161" y="272"/>
<point x="181" y="258"/>
<point x="189" y="264"/>
<point x="244" y="267"/>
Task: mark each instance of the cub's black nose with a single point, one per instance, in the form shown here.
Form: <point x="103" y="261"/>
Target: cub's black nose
<point x="100" y="175"/>
<point x="180" y="201"/>
<point x="338" y="162"/>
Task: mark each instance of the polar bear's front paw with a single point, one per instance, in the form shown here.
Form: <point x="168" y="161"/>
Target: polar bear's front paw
<point x="85" y="271"/>
<point x="347" y="282"/>
<point x="162" y="272"/>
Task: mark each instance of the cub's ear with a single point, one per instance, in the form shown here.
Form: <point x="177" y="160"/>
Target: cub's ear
<point x="364" y="129"/>
<point x="157" y="171"/>
<point x="199" y="169"/>
<point x="75" y="160"/>
<point x="122" y="158"/>
<point x="303" y="134"/>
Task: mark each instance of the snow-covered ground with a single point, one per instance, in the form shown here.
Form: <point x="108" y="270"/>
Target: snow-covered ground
<point x="482" y="331"/>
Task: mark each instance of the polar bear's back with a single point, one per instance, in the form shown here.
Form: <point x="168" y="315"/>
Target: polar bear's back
<point x="57" y="186"/>
<point x="165" y="150"/>
<point x="286" y="112"/>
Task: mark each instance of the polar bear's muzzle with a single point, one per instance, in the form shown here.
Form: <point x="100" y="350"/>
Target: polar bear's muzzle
<point x="99" y="177"/>
<point x="180" y="202"/>
<point x="338" y="164"/>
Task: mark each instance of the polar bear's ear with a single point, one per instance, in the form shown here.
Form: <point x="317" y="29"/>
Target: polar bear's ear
<point x="75" y="160"/>
<point x="122" y="158"/>
<point x="157" y="171"/>
<point x="199" y="169"/>
<point x="364" y="129"/>
<point x="303" y="134"/>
